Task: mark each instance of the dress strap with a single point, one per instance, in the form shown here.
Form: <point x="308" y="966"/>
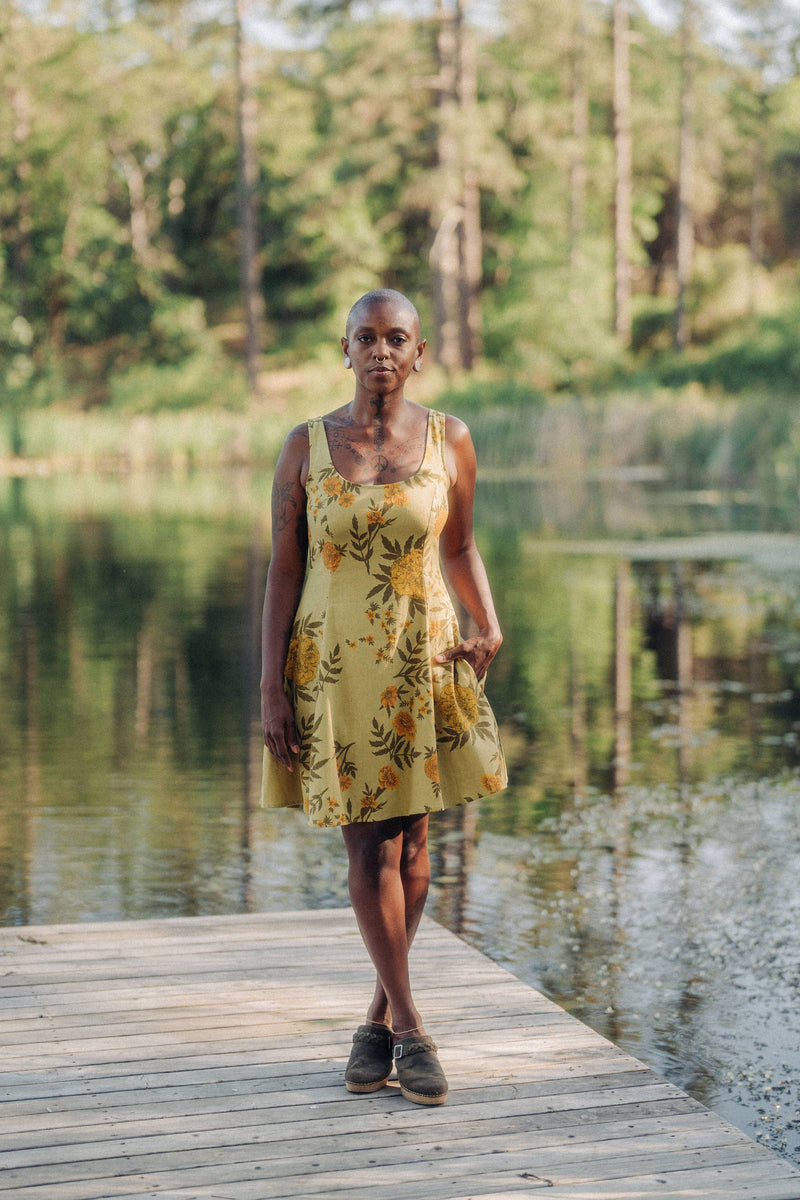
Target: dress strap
<point x="319" y="455"/>
<point x="436" y="432"/>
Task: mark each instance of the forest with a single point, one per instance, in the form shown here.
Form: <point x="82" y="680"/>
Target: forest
<point x="580" y="194"/>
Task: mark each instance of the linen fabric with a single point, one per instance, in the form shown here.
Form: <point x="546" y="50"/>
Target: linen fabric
<point x="383" y="730"/>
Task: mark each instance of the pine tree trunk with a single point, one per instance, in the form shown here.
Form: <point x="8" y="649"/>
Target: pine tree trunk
<point x="246" y="181"/>
<point x="446" y="214"/>
<point x="456" y="253"/>
<point x="471" y="242"/>
<point x="137" y="198"/>
<point x="623" y="156"/>
<point x="21" y="225"/>
<point x="757" y="211"/>
<point x="580" y="134"/>
<point x="685" y="222"/>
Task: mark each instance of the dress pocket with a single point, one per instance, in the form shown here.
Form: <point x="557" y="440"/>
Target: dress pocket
<point x="464" y="676"/>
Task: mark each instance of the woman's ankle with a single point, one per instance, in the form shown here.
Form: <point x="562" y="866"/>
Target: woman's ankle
<point x="412" y="1024"/>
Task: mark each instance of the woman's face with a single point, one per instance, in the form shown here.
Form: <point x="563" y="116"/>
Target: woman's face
<point x="383" y="344"/>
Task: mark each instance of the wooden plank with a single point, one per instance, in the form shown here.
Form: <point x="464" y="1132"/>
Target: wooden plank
<point x="70" y="1127"/>
<point x="203" y="1057"/>
<point x="215" y="1087"/>
<point x="138" y="1035"/>
<point x="50" y="1149"/>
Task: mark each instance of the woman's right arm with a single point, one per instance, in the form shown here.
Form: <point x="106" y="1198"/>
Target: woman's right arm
<point x="285" y="577"/>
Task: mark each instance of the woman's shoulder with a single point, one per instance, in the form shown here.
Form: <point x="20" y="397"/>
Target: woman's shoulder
<point x="297" y="438"/>
<point x="302" y="431"/>
<point x="295" y="450"/>
<point x="456" y="431"/>
<point x="336" y="417"/>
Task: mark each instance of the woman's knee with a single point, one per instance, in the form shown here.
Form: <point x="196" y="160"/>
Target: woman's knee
<point x="373" y="849"/>
<point x="415" y="859"/>
<point x="415" y="835"/>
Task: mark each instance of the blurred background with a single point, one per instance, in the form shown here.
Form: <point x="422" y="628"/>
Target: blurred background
<point x="596" y="207"/>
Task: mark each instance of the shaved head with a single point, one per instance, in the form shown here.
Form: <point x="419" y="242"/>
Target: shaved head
<point x="382" y="296"/>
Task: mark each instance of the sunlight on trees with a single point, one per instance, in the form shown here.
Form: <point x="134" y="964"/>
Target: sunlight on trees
<point x="535" y="189"/>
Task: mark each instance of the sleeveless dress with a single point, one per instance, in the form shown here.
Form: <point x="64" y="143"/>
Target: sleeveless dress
<point x="383" y="730"/>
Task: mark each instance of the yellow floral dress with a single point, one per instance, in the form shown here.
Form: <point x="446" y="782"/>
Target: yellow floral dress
<point x="384" y="731"/>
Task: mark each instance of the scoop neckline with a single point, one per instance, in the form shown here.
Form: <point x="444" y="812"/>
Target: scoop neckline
<point x="394" y="482"/>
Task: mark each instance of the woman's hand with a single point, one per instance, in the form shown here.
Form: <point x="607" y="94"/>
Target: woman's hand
<point x="478" y="652"/>
<point x="462" y="563"/>
<point x="280" y="731"/>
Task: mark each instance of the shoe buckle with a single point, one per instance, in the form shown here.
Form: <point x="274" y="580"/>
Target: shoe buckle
<point x="397" y="1051"/>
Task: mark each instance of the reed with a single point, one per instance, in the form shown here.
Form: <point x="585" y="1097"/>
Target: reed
<point x="692" y="435"/>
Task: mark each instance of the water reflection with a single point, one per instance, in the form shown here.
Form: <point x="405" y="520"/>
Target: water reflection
<point x="642" y="866"/>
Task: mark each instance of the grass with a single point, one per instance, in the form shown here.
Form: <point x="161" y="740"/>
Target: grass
<point x="723" y="415"/>
<point x="693" y="437"/>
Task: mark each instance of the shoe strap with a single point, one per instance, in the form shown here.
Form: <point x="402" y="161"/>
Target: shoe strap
<point x="371" y="1035"/>
<point x="404" y="1049"/>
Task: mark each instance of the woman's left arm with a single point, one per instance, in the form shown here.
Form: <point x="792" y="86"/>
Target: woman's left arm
<point x="462" y="563"/>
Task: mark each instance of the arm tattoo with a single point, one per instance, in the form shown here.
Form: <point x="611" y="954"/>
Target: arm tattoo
<point x="284" y="507"/>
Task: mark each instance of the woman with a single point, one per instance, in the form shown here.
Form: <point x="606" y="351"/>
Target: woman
<point x="373" y="707"/>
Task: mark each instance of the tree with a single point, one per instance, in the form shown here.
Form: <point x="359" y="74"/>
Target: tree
<point x="580" y="136"/>
<point x="767" y="44"/>
<point x="470" y="237"/>
<point x="456" y="253"/>
<point x="623" y="173"/>
<point x="686" y="137"/>
<point x="246" y="183"/>
<point x="417" y="150"/>
<point x="447" y="211"/>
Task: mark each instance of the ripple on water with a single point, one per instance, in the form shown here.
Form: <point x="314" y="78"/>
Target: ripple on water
<point x="678" y="940"/>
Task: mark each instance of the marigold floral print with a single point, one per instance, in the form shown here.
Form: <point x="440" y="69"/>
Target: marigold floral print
<point x="384" y="731"/>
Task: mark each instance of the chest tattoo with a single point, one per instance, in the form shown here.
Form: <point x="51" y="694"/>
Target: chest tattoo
<point x="373" y="459"/>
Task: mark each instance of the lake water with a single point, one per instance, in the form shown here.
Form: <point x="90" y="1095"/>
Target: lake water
<point x="642" y="869"/>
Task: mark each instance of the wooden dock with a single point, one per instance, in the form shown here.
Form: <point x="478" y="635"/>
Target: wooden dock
<point x="202" y="1059"/>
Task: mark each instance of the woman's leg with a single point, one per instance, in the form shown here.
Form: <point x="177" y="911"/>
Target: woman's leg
<point x="388" y="879"/>
<point x="415" y="874"/>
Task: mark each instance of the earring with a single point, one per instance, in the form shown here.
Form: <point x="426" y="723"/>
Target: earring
<point x="347" y="362"/>
<point x="418" y="365"/>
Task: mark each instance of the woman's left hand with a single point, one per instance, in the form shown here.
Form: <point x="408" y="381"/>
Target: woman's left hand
<point x="478" y="652"/>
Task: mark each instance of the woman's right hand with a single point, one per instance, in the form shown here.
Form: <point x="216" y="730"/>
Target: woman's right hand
<point x="280" y="731"/>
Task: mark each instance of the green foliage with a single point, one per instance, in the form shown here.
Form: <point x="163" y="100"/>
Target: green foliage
<point x="178" y="330"/>
<point x="205" y="378"/>
<point x="102" y="291"/>
<point x="118" y="222"/>
<point x="552" y="322"/>
<point x="653" y="324"/>
<point x="753" y="354"/>
<point x="481" y="394"/>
